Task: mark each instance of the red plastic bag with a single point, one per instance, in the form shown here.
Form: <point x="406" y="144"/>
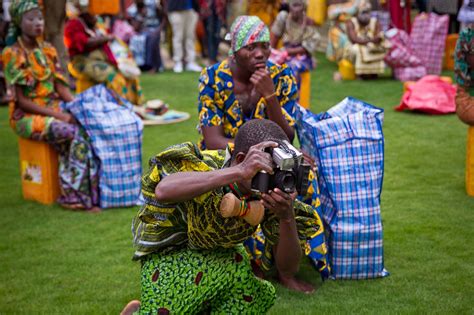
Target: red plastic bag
<point x="430" y="95"/>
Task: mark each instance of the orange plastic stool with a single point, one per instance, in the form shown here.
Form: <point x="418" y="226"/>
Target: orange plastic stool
<point x="451" y="40"/>
<point x="39" y="171"/>
<point x="470" y="162"/>
<point x="100" y="7"/>
<point x="305" y="89"/>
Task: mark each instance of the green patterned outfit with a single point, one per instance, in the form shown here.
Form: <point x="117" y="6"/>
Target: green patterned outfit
<point x="188" y="242"/>
<point x="193" y="281"/>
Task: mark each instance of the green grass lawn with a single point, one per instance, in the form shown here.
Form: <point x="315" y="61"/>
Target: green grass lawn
<point x="54" y="261"/>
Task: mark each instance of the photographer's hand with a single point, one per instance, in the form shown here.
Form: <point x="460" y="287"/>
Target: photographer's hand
<point x="280" y="203"/>
<point x="257" y="160"/>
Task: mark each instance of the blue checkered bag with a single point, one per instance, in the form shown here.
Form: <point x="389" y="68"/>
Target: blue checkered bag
<point x="348" y="146"/>
<point x="115" y="133"/>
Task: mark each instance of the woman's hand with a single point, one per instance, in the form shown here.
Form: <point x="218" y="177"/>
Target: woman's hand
<point x="279" y="203"/>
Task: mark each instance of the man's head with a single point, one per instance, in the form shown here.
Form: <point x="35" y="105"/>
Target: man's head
<point x="250" y="42"/>
<point x="254" y="132"/>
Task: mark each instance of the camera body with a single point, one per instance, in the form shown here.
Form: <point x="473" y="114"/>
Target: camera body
<point x="290" y="171"/>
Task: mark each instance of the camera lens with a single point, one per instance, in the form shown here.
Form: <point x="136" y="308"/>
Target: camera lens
<point x="285" y="181"/>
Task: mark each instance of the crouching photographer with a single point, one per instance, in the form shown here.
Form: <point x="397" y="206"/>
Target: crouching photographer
<point x="192" y="257"/>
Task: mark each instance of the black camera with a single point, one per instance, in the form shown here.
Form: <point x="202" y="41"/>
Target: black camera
<point x="290" y="171"/>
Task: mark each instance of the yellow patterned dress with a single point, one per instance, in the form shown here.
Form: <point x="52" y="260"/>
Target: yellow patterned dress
<point x="218" y="105"/>
<point x="197" y="224"/>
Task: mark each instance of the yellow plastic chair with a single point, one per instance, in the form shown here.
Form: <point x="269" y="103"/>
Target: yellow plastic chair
<point x="346" y="69"/>
<point x="317" y="10"/>
<point x="82" y="81"/>
<point x="470" y="162"/>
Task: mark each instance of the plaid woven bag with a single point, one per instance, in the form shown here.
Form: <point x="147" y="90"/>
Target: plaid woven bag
<point x="115" y="133"/>
<point x="348" y="146"/>
<point x="407" y="66"/>
<point x="428" y="39"/>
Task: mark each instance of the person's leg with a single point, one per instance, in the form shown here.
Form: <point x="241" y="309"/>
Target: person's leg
<point x="177" y="27"/>
<point x="78" y="169"/>
<point x="156" y="52"/>
<point x="248" y="295"/>
<point x="189" y="40"/>
<point x="153" y="56"/>
<point x="212" y="24"/>
<point x="190" y="281"/>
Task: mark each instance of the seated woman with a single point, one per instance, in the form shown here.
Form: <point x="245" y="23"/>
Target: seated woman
<point x="92" y="57"/>
<point x="367" y="49"/>
<point x="33" y="69"/>
<point x="339" y="11"/>
<point x="299" y="35"/>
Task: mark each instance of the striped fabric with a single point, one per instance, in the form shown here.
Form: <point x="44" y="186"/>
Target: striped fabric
<point x="116" y="136"/>
<point x="348" y="146"/>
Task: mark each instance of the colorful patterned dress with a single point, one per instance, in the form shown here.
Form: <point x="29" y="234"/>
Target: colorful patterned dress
<point x="218" y="105"/>
<point x="368" y="58"/>
<point x="190" y="242"/>
<point x="463" y="74"/>
<point x="98" y="65"/>
<point x="36" y="72"/>
<point x="338" y="14"/>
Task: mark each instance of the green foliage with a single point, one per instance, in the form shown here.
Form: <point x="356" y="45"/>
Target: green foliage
<point x="54" y="261"/>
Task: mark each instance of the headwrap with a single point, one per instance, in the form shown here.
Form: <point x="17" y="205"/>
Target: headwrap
<point x="247" y="30"/>
<point x="364" y="5"/>
<point x="17" y="9"/>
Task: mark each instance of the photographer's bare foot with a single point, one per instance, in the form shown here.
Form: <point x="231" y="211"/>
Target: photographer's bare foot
<point x="132" y="307"/>
<point x="297" y="285"/>
<point x="257" y="271"/>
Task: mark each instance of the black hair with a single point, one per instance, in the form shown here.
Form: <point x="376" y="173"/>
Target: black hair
<point x="140" y="5"/>
<point x="255" y="131"/>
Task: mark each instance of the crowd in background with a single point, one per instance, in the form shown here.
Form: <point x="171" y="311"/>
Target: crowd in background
<point x="190" y="33"/>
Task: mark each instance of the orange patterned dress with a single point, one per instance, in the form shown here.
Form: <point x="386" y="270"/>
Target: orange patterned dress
<point x="36" y="72"/>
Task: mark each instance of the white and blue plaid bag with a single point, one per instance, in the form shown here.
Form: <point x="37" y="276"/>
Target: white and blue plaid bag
<point x="347" y="144"/>
<point x="115" y="133"/>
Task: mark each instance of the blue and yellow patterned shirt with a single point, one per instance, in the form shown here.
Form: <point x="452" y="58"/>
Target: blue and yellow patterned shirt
<point x="218" y="105"/>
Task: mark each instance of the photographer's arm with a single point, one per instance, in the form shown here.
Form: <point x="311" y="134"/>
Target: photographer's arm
<point x="188" y="185"/>
<point x="184" y="186"/>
